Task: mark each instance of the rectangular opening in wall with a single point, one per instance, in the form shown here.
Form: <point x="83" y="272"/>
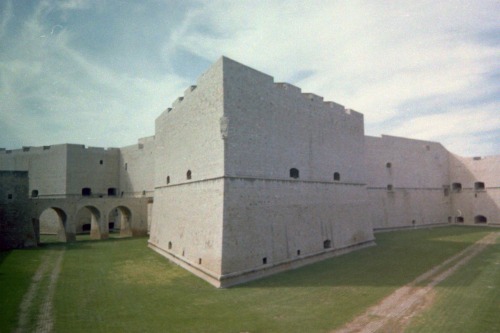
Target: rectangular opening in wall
<point x="34" y="193"/>
<point x="111" y="191"/>
<point x="86" y="191"/>
<point x="327" y="244"/>
<point x="264" y="260"/>
<point x="9" y="196"/>
<point x="456" y="187"/>
<point x="479" y="186"/>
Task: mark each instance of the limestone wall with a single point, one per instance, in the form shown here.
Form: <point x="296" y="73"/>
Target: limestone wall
<point x="189" y="164"/>
<point x="93" y="168"/>
<point x="407" y="182"/>
<point x="16" y="228"/>
<point x="479" y="192"/>
<point x="136" y="168"/>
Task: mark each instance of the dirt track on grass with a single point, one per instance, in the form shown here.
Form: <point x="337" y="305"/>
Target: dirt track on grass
<point x="40" y="294"/>
<point x="394" y="312"/>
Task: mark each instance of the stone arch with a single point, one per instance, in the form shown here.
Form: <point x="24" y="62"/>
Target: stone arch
<point x="96" y="231"/>
<point x="121" y="217"/>
<point x="52" y="221"/>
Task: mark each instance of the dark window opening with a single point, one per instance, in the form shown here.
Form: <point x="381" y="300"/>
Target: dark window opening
<point x="298" y="252"/>
<point x="479" y="186"/>
<point x="327" y="244"/>
<point x="459" y="219"/>
<point x="100" y="162"/>
<point x="122" y="193"/>
<point x="388" y="165"/>
<point x="168" y="179"/>
<point x="456" y="187"/>
<point x="264" y="260"/>
<point x="480" y="219"/>
<point x="336" y="176"/>
<point x="199" y="261"/>
<point x="34" y="193"/>
<point x="86" y="227"/>
<point x="86" y="191"/>
<point x="170" y="245"/>
<point x="188" y="174"/>
<point x="183" y="253"/>
<point x="9" y="196"/>
<point x="111" y="191"/>
<point x="390" y="187"/>
<point x="111" y="225"/>
<point x="294" y="173"/>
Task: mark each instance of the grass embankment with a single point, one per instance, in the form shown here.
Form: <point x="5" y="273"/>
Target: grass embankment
<point x="119" y="285"/>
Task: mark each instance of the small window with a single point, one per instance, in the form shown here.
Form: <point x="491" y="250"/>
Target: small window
<point x="459" y="219"/>
<point x="298" y="252"/>
<point x="168" y="179"/>
<point x="122" y="193"/>
<point x="480" y="219"/>
<point x="479" y="186"/>
<point x="9" y="196"/>
<point x="101" y="162"/>
<point x="264" y="260"/>
<point x="388" y="165"/>
<point x="170" y="245"/>
<point x="390" y="187"/>
<point x="111" y="191"/>
<point x="336" y="176"/>
<point x="126" y="166"/>
<point x="456" y="187"/>
<point x="188" y="174"/>
<point x="199" y="261"/>
<point x="327" y="244"/>
<point x="34" y="193"/>
<point x="294" y="173"/>
<point x="86" y="191"/>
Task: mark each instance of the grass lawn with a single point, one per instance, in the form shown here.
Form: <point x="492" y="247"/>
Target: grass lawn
<point x="119" y="285"/>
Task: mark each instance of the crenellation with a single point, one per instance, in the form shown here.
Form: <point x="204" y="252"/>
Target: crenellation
<point x="177" y="102"/>
<point x="189" y="90"/>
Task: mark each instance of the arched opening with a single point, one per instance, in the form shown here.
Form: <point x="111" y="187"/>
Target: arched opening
<point x="459" y="219"/>
<point x="336" y="176"/>
<point x="119" y="221"/>
<point x="480" y="219"/>
<point x="52" y="225"/>
<point x="294" y="173"/>
<point x="88" y="221"/>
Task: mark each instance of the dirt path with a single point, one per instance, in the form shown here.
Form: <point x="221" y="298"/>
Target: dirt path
<point x="395" y="311"/>
<point x="42" y="288"/>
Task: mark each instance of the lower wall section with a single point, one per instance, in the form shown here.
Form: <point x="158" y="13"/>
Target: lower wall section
<point x="271" y="222"/>
<point x="401" y="207"/>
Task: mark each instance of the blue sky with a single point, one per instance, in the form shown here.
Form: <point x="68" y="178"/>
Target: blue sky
<point x="99" y="72"/>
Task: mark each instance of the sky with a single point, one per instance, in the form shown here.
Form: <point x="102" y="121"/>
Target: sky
<point x="98" y="72"/>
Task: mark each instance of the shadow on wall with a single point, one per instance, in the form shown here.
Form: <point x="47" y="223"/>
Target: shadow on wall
<point x="475" y="197"/>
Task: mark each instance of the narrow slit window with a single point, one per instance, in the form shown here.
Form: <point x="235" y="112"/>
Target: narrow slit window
<point x="188" y="175"/>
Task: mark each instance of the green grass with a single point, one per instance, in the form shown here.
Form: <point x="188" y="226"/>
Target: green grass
<point x="469" y="299"/>
<point x="119" y="285"/>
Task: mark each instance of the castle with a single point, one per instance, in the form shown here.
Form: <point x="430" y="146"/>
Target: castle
<point x="246" y="177"/>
